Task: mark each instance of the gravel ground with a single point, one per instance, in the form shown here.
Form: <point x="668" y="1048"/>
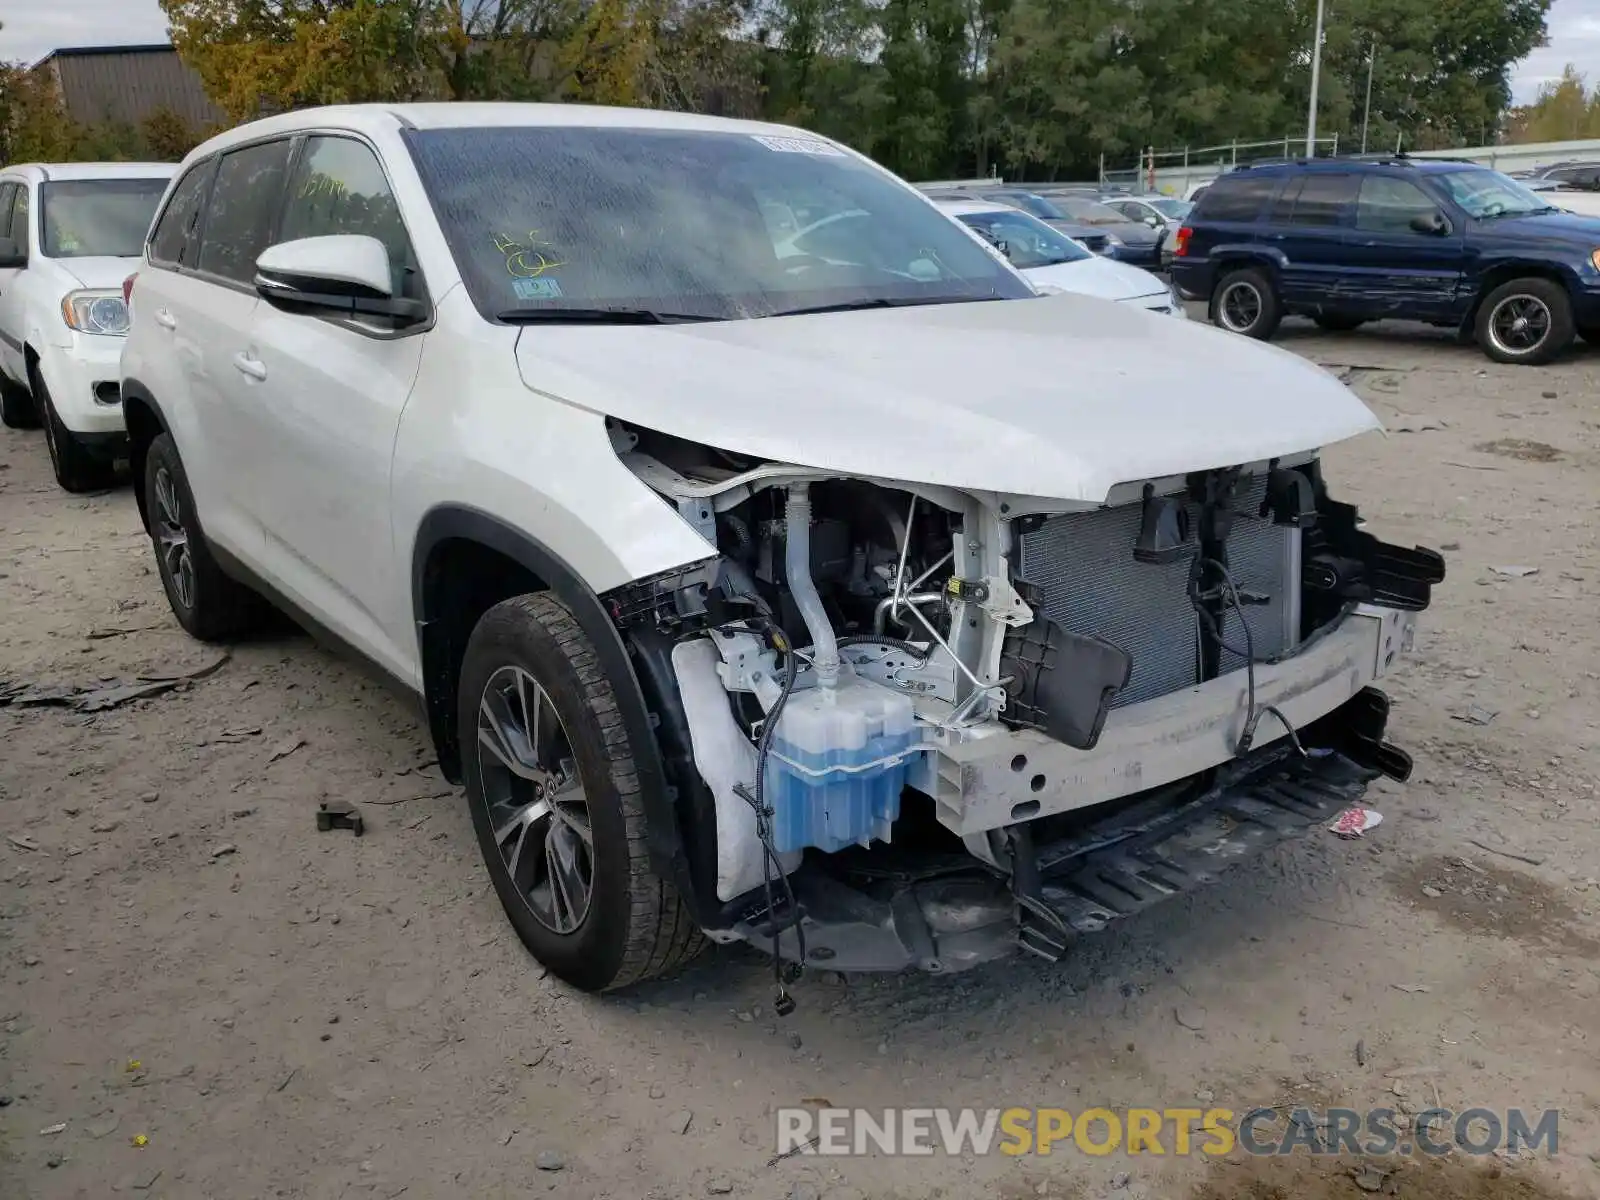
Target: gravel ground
<point x="215" y="1000"/>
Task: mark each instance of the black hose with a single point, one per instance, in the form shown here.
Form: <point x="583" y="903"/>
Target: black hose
<point x="907" y="648"/>
<point x="740" y="529"/>
<point x="769" y="856"/>
<point x="1253" y="714"/>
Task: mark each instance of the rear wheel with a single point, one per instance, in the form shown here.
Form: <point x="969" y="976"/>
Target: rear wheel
<point x="556" y="803"/>
<point x="76" y="469"/>
<point x="1338" y="322"/>
<point x="17" y="409"/>
<point x="1526" y="321"/>
<point x="1246" y="302"/>
<point x="207" y="603"/>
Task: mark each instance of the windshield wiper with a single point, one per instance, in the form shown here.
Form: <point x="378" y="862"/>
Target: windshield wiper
<point x="879" y="302"/>
<point x="597" y="316"/>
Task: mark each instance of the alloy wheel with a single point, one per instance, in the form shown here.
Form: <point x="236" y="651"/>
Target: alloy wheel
<point x="535" y="800"/>
<point x="172" y="539"/>
<point x="1239" y="306"/>
<point x="1519" y="324"/>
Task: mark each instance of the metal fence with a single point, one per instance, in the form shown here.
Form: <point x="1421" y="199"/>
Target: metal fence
<point x="1175" y="171"/>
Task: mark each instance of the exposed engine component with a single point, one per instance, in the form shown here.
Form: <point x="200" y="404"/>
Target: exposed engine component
<point x="896" y="695"/>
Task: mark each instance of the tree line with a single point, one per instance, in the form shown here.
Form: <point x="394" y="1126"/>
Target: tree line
<point x="1034" y="89"/>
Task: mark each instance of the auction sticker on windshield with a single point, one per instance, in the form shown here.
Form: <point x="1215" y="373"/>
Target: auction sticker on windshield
<point x="536" y="289"/>
<point x="794" y="145"/>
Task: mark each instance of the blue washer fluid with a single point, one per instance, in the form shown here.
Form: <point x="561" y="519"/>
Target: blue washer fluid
<point x="838" y="760"/>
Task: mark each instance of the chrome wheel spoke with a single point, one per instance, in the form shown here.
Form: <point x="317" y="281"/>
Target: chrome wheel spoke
<point x="569" y="890"/>
<point x="500" y="732"/>
<point x="538" y="810"/>
<point x="514" y="835"/>
<point x="172" y="540"/>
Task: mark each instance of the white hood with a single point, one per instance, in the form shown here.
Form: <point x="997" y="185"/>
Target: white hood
<point x="1097" y="276"/>
<point x="1061" y="397"/>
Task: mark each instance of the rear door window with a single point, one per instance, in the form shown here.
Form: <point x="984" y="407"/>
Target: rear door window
<point x="175" y="240"/>
<point x="243" y="210"/>
<point x="1323" y="199"/>
<point x="1236" y="198"/>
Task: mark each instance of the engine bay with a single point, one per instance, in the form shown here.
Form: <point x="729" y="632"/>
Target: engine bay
<point x="852" y="651"/>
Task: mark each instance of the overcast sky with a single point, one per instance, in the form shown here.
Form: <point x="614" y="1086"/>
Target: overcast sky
<point x="35" y="27"/>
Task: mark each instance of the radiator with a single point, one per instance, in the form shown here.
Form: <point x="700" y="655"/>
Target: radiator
<point x="1089" y="582"/>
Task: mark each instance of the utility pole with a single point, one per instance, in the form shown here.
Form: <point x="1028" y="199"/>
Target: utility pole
<point x="1316" y="79"/>
<point x="1366" y="113"/>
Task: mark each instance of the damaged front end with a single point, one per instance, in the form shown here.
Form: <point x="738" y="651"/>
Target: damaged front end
<point x="910" y="725"/>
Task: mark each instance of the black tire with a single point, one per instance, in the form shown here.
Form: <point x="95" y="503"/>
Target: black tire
<point x="633" y="925"/>
<point x="1544" y="311"/>
<point x="1246" y="302"/>
<point x="1338" y="322"/>
<point x="208" y="604"/>
<point x="17" y="409"/>
<point x="76" y="469"/>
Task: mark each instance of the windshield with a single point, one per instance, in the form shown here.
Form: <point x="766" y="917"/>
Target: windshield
<point x="1176" y="209"/>
<point x="83" y="217"/>
<point x="1091" y="212"/>
<point x="1487" y="194"/>
<point x="1027" y="241"/>
<point x="707" y="225"/>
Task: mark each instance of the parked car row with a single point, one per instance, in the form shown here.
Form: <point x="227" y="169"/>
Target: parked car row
<point x="69" y="236"/>
<point x="772" y="559"/>
<point x="1347" y="241"/>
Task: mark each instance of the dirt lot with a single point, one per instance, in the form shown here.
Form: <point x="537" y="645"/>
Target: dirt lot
<point x="218" y="1001"/>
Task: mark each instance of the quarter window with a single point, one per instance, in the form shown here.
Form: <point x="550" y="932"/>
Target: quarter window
<point x="1236" y="198"/>
<point x="173" y="242"/>
<point x="339" y="187"/>
<point x="8" y="193"/>
<point x="1388" y="205"/>
<point x="244" y="201"/>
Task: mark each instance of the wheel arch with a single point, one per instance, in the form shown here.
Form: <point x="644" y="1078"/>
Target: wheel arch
<point x="145" y="422"/>
<point x="1504" y="272"/>
<point x="1230" y="259"/>
<point x="463" y="562"/>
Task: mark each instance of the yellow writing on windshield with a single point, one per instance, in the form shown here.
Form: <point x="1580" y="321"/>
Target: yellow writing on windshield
<point x="527" y="260"/>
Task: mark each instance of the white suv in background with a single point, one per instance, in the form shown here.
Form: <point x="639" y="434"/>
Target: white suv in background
<point x="69" y="235"/>
<point x="831" y="591"/>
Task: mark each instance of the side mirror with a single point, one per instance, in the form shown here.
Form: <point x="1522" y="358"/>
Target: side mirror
<point x="1004" y="247"/>
<point x="1153" y="221"/>
<point x="1433" y="223"/>
<point x="339" y="273"/>
<point x="11" y="257"/>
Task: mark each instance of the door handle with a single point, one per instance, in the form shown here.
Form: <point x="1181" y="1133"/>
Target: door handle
<point x="252" y="367"/>
<point x="165" y="319"/>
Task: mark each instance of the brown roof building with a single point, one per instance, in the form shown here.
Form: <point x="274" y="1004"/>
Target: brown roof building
<point x="125" y="84"/>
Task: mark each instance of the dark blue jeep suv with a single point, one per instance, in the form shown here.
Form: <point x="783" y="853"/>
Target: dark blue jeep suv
<point x="1346" y="241"/>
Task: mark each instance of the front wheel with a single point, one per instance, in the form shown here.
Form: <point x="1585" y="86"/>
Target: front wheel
<point x="1525" y="322"/>
<point x="1246" y="302"/>
<point x="556" y="803"/>
<point x="76" y="468"/>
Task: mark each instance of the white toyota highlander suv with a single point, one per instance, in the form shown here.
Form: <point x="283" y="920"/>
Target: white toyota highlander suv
<point x="69" y="235"/>
<point x="829" y="591"/>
